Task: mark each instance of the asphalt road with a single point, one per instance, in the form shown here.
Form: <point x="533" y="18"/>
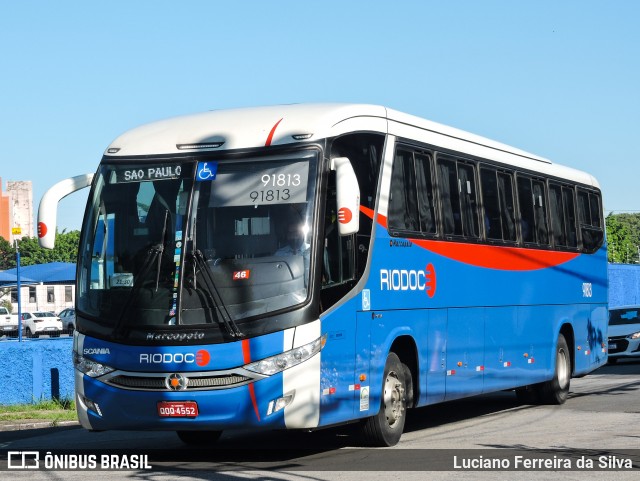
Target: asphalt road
<point x="599" y="422"/>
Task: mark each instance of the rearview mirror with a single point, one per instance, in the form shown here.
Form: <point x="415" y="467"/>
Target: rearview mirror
<point x="348" y="196"/>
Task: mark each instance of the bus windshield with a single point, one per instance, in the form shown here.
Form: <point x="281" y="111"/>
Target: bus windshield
<point x="197" y="242"/>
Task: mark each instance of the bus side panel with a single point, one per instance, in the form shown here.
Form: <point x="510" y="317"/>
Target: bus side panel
<point x="599" y="317"/>
<point x="502" y="338"/>
<point x="465" y="352"/>
<point x="534" y="353"/>
<point x="432" y="384"/>
<point x="590" y="339"/>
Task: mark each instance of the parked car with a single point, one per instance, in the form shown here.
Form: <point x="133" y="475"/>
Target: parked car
<point x="36" y="323"/>
<point x="8" y="322"/>
<point x="68" y="318"/>
<point x="624" y="333"/>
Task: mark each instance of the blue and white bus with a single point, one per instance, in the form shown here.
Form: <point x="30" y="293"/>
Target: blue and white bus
<point x="302" y="266"/>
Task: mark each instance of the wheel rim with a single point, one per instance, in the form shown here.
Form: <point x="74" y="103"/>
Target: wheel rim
<point x="562" y="368"/>
<point x="393" y="399"/>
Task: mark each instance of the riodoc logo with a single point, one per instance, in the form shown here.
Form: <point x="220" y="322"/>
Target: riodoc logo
<point x="409" y="280"/>
<point x="201" y="358"/>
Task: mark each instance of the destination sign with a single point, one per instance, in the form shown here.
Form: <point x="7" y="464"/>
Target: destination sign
<point x="147" y="173"/>
<point x="283" y="184"/>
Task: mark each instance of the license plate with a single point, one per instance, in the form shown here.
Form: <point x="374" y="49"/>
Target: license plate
<point x="613" y="345"/>
<point x="177" y="409"/>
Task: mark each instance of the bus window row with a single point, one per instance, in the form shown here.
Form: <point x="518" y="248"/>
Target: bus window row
<point x="446" y="197"/>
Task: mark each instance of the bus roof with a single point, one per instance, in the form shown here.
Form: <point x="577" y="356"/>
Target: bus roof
<point x="221" y="130"/>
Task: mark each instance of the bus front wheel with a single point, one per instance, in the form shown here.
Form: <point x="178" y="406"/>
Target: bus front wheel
<point x="385" y="428"/>
<point x="199" y="438"/>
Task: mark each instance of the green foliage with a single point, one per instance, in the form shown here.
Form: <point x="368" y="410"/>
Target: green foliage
<point x="66" y="250"/>
<point x="623" y="237"/>
<point x="52" y="410"/>
<point x="7" y="255"/>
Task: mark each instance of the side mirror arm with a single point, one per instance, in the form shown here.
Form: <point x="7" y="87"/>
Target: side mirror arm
<point x="48" y="209"/>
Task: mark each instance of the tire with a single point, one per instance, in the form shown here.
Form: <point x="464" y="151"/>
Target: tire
<point x="385" y="428"/>
<point x="556" y="390"/>
<point x="199" y="438"/>
<point x="28" y="332"/>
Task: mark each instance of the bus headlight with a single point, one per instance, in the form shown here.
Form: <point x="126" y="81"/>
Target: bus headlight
<point x="275" y="364"/>
<point x="89" y="367"/>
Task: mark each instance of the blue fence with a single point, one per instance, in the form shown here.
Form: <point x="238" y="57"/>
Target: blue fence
<point x="36" y="369"/>
<point x="624" y="285"/>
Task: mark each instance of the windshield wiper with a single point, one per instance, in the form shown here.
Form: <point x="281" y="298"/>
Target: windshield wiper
<point x="201" y="263"/>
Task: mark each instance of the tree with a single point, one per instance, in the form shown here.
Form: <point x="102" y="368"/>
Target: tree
<point x="66" y="250"/>
<point x="623" y="237"/>
<point x="7" y="255"/>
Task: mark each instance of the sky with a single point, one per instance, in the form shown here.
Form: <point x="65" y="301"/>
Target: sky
<point x="560" y="79"/>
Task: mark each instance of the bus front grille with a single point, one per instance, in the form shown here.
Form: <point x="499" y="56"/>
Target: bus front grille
<point x="158" y="382"/>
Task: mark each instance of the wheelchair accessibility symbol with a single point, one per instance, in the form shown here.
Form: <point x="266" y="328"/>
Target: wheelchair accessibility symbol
<point x="207" y="171"/>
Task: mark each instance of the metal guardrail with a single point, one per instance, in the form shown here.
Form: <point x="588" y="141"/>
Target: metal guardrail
<point x="13" y="336"/>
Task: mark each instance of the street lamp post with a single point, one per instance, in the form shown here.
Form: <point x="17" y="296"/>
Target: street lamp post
<point x="18" y="286"/>
<point x="16" y="231"/>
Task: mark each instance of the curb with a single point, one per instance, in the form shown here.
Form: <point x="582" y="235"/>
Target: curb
<point x="23" y="426"/>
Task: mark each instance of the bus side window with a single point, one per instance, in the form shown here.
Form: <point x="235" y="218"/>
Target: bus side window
<point x="507" y="206"/>
<point x="449" y="197"/>
<point x="557" y="215"/>
<point x="540" y="212"/>
<point x="491" y="203"/>
<point x="468" y="200"/>
<point x="570" y="216"/>
<point x="590" y="221"/>
<point x="426" y="202"/>
<point x="458" y="198"/>
<point x="403" y="202"/>
<point x="525" y="199"/>
<point x="533" y="211"/>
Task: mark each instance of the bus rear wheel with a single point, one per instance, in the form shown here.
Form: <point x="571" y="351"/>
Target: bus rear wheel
<point x="556" y="390"/>
<point x="199" y="438"/>
<point x="385" y="428"/>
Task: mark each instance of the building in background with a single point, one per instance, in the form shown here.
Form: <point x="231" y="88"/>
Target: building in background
<point x="5" y="214"/>
<point x="21" y="194"/>
<point x="16" y="209"/>
<point x="44" y="287"/>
